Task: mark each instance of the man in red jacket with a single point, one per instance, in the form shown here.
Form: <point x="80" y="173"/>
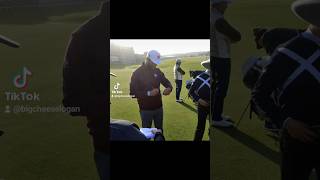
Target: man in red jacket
<point x="145" y="86"/>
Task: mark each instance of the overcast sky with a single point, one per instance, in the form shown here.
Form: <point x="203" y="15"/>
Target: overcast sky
<point x="165" y="47"/>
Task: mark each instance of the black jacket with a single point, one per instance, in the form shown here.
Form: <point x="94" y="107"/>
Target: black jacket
<point x="298" y="98"/>
<point x="85" y="77"/>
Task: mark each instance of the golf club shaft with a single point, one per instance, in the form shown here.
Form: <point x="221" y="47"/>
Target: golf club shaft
<point x="9" y="42"/>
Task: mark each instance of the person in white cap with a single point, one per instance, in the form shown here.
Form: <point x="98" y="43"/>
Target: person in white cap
<point x="223" y="34"/>
<point x="145" y="86"/>
<point x="178" y="73"/>
<point x="200" y="93"/>
<point x="294" y="73"/>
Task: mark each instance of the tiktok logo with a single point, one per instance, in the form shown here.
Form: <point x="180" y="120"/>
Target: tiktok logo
<point x="116" y="87"/>
<point x="21" y="80"/>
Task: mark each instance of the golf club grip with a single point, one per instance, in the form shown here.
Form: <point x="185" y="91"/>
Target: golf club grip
<point x="9" y="42"/>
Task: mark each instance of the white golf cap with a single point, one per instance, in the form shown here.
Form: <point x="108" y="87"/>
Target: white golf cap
<point x="154" y="56"/>
<point x="307" y="10"/>
<point x="206" y="64"/>
<point x="220" y="1"/>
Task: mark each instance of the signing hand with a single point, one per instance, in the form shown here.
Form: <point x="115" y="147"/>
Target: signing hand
<point x="203" y="103"/>
<point x="300" y="131"/>
<point x="167" y="91"/>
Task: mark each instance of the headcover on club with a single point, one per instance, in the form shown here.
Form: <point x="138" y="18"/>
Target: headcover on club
<point x="9" y="42"/>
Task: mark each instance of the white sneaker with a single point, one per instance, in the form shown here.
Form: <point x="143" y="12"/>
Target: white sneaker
<point x="223" y="123"/>
<point x="179" y="101"/>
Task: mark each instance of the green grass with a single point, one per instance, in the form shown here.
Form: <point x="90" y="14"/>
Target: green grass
<point x="248" y="152"/>
<point x="179" y="121"/>
<point x="46" y="146"/>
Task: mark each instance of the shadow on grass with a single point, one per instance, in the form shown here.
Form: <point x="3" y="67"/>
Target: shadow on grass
<point x="191" y="108"/>
<point x="253" y="144"/>
<point x="39" y="15"/>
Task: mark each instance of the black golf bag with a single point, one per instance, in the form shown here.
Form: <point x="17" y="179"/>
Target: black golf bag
<point x="251" y="71"/>
<point x="271" y="39"/>
<point x="193" y="76"/>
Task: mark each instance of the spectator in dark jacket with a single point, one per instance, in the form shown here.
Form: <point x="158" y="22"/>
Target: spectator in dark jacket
<point x="200" y="93"/>
<point x="85" y="82"/>
<point x="145" y="86"/>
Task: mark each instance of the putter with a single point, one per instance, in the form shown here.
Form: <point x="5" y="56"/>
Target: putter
<point x="9" y="42"/>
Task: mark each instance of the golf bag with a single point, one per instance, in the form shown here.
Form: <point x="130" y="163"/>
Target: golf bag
<point x="193" y="75"/>
<point x="271" y="39"/>
<point x="252" y="71"/>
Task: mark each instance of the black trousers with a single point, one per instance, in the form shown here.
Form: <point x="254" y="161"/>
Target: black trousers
<point x="203" y="113"/>
<point x="178" y="88"/>
<point x="221" y="76"/>
<point x="298" y="159"/>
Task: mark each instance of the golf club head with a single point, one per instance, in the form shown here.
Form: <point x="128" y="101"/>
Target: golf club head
<point x="9" y="42"/>
<point x="1" y="133"/>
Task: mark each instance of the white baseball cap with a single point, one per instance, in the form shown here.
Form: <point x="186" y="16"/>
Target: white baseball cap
<point x="154" y="56"/>
<point x="307" y="10"/>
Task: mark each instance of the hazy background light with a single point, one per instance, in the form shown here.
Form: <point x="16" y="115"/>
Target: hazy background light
<point x="165" y="47"/>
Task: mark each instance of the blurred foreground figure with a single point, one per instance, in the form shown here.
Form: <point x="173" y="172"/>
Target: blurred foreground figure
<point x="85" y="82"/>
